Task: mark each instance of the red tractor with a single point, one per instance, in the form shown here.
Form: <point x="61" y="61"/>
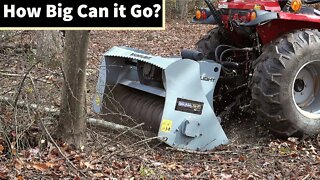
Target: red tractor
<point x="263" y="53"/>
<point x="271" y="50"/>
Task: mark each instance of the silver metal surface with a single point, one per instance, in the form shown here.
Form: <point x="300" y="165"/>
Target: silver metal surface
<point x="306" y="89"/>
<point x="183" y="80"/>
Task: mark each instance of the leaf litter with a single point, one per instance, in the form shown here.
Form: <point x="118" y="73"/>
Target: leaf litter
<point x="252" y="154"/>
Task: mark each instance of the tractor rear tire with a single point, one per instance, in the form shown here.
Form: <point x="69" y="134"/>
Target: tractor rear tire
<point x="286" y="84"/>
<point x="208" y="43"/>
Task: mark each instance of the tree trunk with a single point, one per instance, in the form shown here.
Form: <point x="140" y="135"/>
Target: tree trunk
<point x="182" y="8"/>
<point x="49" y="48"/>
<point x="72" y="122"/>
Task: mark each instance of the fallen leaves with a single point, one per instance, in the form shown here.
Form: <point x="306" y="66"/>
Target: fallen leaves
<point x="19" y="177"/>
<point x="44" y="166"/>
<point x="226" y="176"/>
<point x="146" y="171"/>
<point x="40" y="166"/>
<point x="242" y="158"/>
<point x="18" y="164"/>
<point x="270" y="159"/>
<point x="1" y="149"/>
<point x="3" y="175"/>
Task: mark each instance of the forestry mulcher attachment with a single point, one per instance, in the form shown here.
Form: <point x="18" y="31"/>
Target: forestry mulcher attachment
<point x="172" y="96"/>
<point x="261" y="53"/>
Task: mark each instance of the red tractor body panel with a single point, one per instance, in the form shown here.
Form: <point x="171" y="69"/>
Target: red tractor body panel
<point x="287" y="22"/>
<point x="299" y="17"/>
<point x="250" y="4"/>
<point x="268" y="31"/>
<point x="271" y="21"/>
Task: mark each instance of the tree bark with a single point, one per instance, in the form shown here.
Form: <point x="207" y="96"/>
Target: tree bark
<point x="49" y="48"/>
<point x="72" y="122"/>
<point x="182" y="8"/>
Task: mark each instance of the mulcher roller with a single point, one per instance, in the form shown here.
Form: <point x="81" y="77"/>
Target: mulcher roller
<point x="173" y="97"/>
<point x="143" y="107"/>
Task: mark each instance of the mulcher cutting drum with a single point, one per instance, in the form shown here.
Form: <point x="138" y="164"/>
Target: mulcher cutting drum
<point x="173" y="97"/>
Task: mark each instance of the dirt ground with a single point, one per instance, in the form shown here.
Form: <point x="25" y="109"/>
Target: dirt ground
<point x="253" y="153"/>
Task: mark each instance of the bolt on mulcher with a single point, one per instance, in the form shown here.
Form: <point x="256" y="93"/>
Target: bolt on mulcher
<point x="269" y="49"/>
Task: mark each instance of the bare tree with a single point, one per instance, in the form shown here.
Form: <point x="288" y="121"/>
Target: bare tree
<point x="72" y="122"/>
<point x="182" y="8"/>
<point x="49" y="47"/>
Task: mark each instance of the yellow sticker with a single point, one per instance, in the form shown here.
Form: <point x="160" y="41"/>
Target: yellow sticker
<point x="257" y="7"/>
<point x="166" y="125"/>
<point x="98" y="100"/>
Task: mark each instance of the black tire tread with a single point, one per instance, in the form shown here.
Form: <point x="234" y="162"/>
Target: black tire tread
<point x="208" y="43"/>
<point x="267" y="75"/>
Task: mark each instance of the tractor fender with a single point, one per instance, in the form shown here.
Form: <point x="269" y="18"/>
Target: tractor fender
<point x="271" y="25"/>
<point x="278" y="27"/>
<point x="262" y="17"/>
<point x="304" y="18"/>
<point x="209" y="20"/>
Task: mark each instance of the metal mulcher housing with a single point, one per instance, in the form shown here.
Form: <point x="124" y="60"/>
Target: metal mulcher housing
<point x="178" y="106"/>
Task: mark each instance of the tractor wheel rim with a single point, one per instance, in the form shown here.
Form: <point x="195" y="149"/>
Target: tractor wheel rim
<point x="306" y="89"/>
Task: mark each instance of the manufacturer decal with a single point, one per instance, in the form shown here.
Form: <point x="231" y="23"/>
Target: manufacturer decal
<point x="223" y="6"/>
<point x="189" y="106"/>
<point x="209" y="79"/>
<point x="140" y="56"/>
<point x="257" y="7"/>
<point x="98" y="101"/>
<point x="166" y="125"/>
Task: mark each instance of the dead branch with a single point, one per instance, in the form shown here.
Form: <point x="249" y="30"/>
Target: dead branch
<point x="91" y="121"/>
<point x="22" y="82"/>
<point x="17" y="98"/>
<point x="118" y="127"/>
<point x="132" y="145"/>
<point x="131" y="129"/>
<point x="21" y="75"/>
<point x="189" y="151"/>
<point x="45" y="130"/>
<point x="56" y="145"/>
<point x="24" y="104"/>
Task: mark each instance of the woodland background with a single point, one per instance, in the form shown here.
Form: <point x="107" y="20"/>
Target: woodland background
<point x="31" y="80"/>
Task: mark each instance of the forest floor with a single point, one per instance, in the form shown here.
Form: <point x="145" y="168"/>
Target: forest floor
<point x="28" y="153"/>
